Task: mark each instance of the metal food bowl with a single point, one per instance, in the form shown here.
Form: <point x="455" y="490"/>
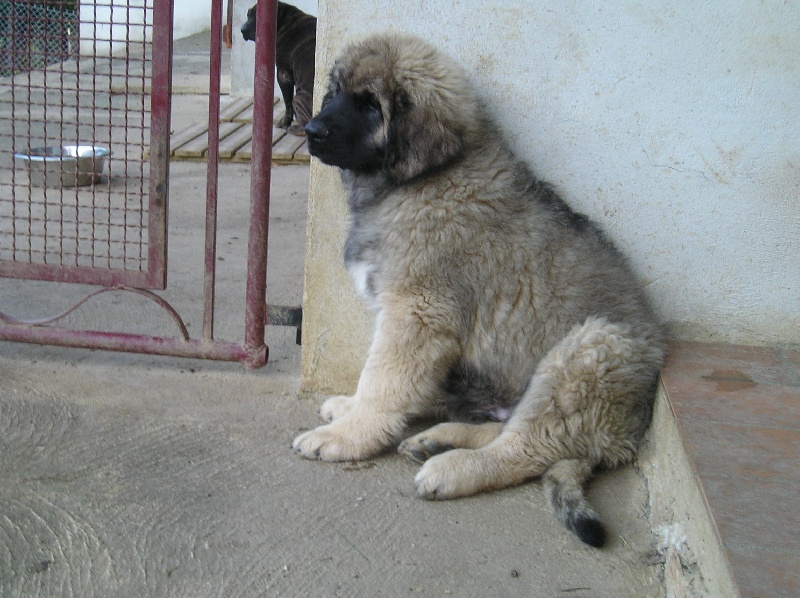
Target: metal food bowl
<point x="65" y="166"/>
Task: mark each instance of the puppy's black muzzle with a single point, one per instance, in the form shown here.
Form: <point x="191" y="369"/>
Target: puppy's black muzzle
<point x="316" y="131"/>
<point x="341" y="135"/>
<point x="325" y="132"/>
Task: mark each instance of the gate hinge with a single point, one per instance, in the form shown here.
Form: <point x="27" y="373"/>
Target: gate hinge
<point x="284" y="315"/>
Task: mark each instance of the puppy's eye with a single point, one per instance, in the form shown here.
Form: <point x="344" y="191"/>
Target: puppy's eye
<point x="367" y="102"/>
<point x="328" y="97"/>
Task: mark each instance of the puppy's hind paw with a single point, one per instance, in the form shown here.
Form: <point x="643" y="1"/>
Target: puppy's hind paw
<point x="449" y="475"/>
<point x="419" y="448"/>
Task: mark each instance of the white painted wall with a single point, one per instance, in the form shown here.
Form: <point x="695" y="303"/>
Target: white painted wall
<point x="107" y="25"/>
<point x="191" y="16"/>
<point x="676" y="125"/>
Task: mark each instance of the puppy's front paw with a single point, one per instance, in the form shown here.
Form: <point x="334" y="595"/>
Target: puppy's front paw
<point x="323" y="443"/>
<point x="352" y="437"/>
<point x="448" y="475"/>
<point x="335" y="407"/>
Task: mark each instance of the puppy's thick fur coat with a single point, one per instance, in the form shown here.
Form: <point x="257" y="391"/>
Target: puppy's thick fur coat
<point x="493" y="299"/>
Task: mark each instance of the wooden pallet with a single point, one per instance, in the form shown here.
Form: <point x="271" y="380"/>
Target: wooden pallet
<point x="236" y="137"/>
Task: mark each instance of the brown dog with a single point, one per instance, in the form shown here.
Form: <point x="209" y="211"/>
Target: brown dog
<point x="294" y="60"/>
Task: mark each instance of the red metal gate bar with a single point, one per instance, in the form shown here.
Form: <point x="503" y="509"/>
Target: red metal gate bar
<point x="261" y="162"/>
<point x="134" y="343"/>
<point x="160" y="114"/>
<point x="212" y="170"/>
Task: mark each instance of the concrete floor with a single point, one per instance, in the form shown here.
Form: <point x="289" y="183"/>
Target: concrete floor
<point x="129" y="475"/>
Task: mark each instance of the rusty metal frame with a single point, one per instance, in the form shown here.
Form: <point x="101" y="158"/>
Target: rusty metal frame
<point x="253" y="351"/>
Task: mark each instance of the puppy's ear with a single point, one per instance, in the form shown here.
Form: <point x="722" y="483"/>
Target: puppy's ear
<point x="420" y="140"/>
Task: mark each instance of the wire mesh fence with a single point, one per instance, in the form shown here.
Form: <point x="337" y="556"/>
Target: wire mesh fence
<point x="33" y="36"/>
<point x="74" y="141"/>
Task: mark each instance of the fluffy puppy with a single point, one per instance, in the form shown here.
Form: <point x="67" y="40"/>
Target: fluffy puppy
<point x="294" y="61"/>
<point x="493" y="298"/>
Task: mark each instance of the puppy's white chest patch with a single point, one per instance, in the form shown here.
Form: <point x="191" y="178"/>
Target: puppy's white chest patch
<point x="362" y="273"/>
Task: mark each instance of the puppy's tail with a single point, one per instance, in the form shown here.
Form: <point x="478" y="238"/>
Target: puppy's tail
<point x="564" y="482"/>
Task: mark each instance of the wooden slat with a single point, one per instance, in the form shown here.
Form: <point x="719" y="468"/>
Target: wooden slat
<point x="283" y="151"/>
<point x="187" y="135"/>
<point x="236" y="139"/>
<point x="198" y="147"/>
<point x="302" y="155"/>
<point x="245" y="115"/>
<point x="244" y="153"/>
<point x="235" y="108"/>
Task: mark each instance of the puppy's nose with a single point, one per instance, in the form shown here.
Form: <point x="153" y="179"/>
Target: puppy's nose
<point x="316" y="130"/>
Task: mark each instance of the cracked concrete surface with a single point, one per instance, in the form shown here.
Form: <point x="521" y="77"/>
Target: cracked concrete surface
<point x="125" y="477"/>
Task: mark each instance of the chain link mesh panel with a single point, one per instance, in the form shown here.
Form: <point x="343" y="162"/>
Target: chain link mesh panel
<point x="75" y="84"/>
<point x="33" y="36"/>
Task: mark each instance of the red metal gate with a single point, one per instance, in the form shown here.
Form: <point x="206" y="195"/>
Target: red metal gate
<point x="95" y="212"/>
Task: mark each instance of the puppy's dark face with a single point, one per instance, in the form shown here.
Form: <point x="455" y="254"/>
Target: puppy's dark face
<point x="387" y="112"/>
<point x="348" y="132"/>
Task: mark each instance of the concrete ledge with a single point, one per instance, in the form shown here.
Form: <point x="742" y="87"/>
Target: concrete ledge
<point x="695" y="564"/>
<point x="725" y="441"/>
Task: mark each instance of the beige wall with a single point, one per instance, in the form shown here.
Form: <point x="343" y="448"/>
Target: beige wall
<point x="676" y="126"/>
<point x="336" y="326"/>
